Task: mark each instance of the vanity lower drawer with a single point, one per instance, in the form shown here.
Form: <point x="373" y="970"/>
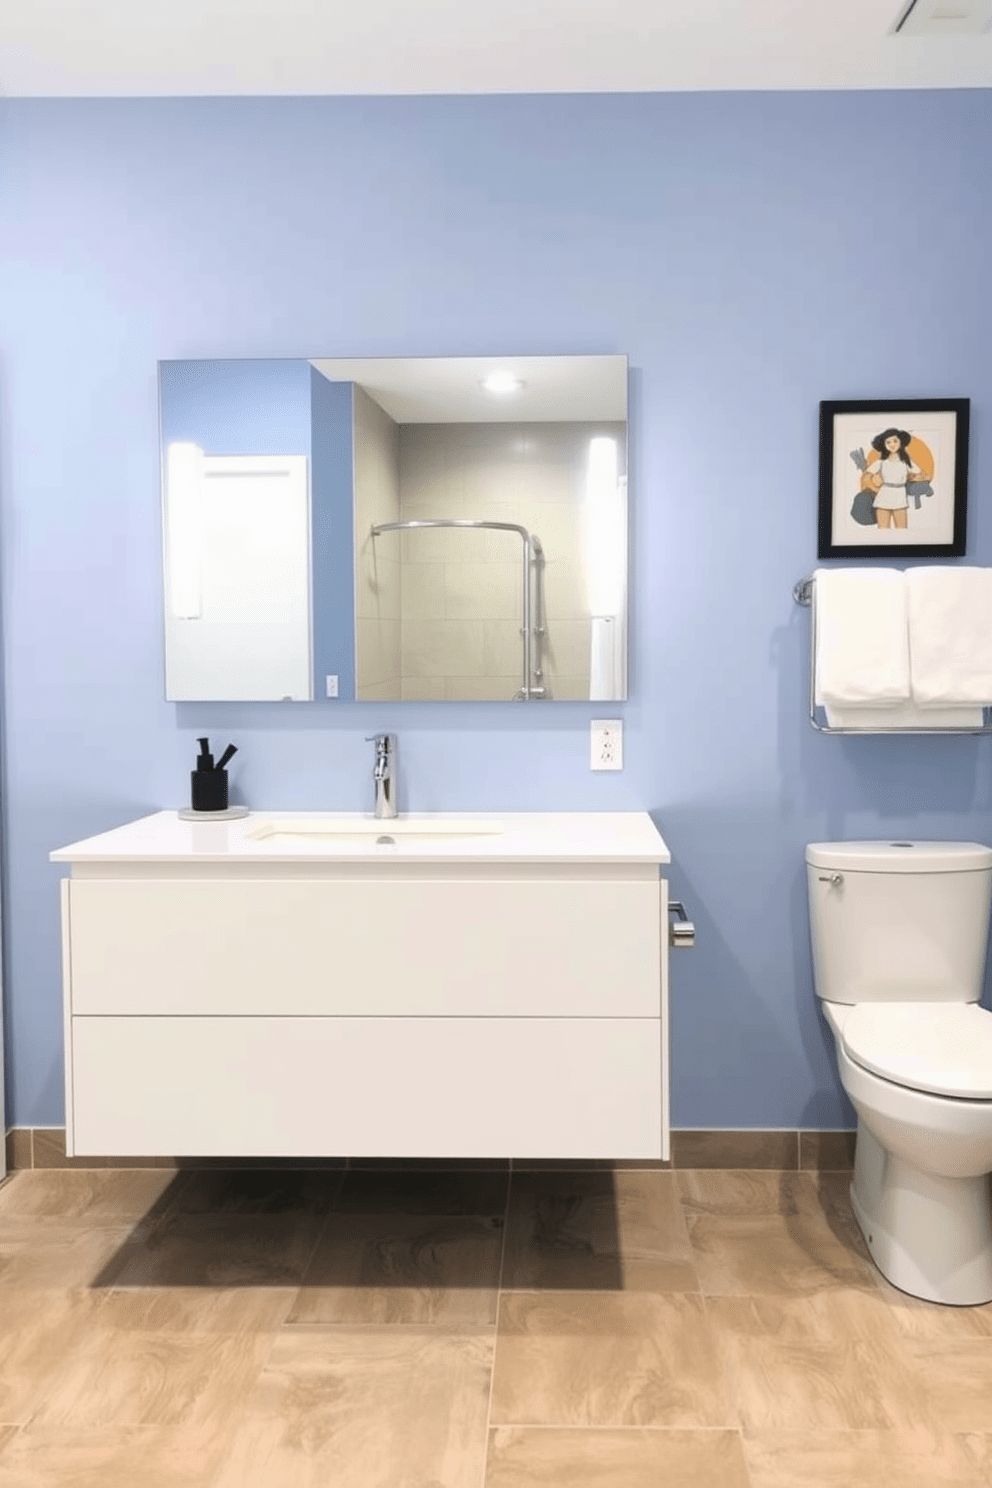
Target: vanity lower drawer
<point x="438" y="947"/>
<point x="298" y="1087"/>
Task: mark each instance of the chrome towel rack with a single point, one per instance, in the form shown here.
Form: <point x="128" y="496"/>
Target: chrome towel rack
<point x="804" y="593"/>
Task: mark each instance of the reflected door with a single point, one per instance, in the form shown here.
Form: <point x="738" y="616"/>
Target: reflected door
<point x="238" y="602"/>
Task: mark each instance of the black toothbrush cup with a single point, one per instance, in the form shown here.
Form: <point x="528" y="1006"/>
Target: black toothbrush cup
<point x="209" y="781"/>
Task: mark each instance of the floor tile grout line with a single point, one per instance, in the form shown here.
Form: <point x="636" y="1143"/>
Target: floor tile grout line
<point x="499" y="1293"/>
<point x="615" y="1426"/>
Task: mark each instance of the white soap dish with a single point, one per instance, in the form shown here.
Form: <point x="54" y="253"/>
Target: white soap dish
<point x="233" y="813"/>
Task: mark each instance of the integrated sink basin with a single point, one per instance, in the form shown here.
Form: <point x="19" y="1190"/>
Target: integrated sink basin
<point x="316" y="828"/>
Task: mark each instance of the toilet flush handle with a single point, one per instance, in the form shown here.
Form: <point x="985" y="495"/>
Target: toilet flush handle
<point x="832" y="878"/>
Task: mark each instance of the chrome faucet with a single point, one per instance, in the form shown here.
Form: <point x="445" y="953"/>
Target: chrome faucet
<point x="384" y="774"/>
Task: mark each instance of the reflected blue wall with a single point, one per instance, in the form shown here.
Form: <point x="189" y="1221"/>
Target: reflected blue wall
<point x="333" y="535"/>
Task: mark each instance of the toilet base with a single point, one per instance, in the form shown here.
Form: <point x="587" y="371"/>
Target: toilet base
<point x="929" y="1236"/>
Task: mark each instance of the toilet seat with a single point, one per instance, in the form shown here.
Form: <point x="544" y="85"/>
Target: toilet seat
<point x="941" y="1047"/>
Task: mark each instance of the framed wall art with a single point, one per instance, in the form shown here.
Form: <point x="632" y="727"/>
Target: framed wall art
<point x="893" y="478"/>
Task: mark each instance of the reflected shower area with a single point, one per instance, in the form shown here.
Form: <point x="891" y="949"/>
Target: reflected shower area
<point x="531" y="588"/>
<point x="490" y="560"/>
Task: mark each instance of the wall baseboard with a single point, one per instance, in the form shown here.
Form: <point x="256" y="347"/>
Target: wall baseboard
<point x="777" y="1151"/>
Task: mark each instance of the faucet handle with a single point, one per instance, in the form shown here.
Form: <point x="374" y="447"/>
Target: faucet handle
<point x="382" y="742"/>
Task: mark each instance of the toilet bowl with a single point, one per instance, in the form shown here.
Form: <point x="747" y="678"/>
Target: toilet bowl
<point x="899" y="933"/>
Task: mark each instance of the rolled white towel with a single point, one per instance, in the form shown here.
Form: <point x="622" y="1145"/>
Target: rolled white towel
<point x="862" y="636"/>
<point x="950" y="635"/>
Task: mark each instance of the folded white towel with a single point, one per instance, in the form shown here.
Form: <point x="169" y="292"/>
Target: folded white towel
<point x="862" y="637"/>
<point x="950" y="635"/>
<point x="903" y="716"/>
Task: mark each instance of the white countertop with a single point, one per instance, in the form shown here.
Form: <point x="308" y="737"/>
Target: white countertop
<point x="523" y="836"/>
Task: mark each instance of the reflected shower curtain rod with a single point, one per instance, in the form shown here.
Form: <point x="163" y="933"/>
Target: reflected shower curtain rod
<point x="533" y="684"/>
<point x="528" y="537"/>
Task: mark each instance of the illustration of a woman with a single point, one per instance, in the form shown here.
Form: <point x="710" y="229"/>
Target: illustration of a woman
<point x="888" y="472"/>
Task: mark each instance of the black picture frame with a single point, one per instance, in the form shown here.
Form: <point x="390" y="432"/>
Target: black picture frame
<point x="851" y="443"/>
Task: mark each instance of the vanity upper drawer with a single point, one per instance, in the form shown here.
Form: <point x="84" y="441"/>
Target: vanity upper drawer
<point x="440" y="947"/>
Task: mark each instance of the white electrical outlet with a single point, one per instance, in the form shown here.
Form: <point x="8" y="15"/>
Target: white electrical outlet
<point x="606" y="744"/>
<point x="332" y="686"/>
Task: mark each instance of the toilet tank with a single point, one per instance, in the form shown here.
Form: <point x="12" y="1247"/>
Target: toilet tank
<point x="899" y="921"/>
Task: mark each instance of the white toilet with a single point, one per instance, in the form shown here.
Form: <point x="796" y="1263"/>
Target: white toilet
<point x="899" y="934"/>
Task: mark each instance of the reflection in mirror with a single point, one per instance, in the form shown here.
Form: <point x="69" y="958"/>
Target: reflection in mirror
<point x="392" y="529"/>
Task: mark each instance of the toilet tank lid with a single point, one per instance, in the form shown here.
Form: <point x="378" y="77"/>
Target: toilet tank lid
<point x="900" y="856"/>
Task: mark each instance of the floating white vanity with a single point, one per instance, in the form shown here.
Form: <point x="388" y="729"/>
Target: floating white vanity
<point x="291" y="985"/>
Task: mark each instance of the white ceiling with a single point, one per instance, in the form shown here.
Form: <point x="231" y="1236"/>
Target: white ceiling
<point x="448" y="390"/>
<point x="142" y="48"/>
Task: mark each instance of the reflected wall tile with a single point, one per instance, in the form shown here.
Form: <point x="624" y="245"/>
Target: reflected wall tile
<point x="378" y="651"/>
<point x="569" y="689"/>
<point x="482" y="689"/>
<point x="444" y="648"/>
<point x="377" y="588"/>
<point x="565" y="591"/>
<point x="568" y="647"/>
<point x="562" y="536"/>
<point x="482" y="591"/>
<point x="423" y="594"/>
<point x="502" y="652"/>
<point x="423" y="689"/>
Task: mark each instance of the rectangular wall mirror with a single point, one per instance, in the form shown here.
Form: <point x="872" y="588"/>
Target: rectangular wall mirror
<point x="394" y="529"/>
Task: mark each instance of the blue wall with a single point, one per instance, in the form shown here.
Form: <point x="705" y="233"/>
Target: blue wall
<point x="752" y="254"/>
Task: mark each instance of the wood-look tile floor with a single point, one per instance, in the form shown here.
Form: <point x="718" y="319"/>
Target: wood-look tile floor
<point x="372" y="1328"/>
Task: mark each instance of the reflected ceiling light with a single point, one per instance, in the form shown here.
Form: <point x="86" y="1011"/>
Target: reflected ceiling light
<point x="502" y="382"/>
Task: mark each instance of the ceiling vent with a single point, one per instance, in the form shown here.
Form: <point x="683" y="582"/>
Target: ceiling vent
<point x="945" y="18"/>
